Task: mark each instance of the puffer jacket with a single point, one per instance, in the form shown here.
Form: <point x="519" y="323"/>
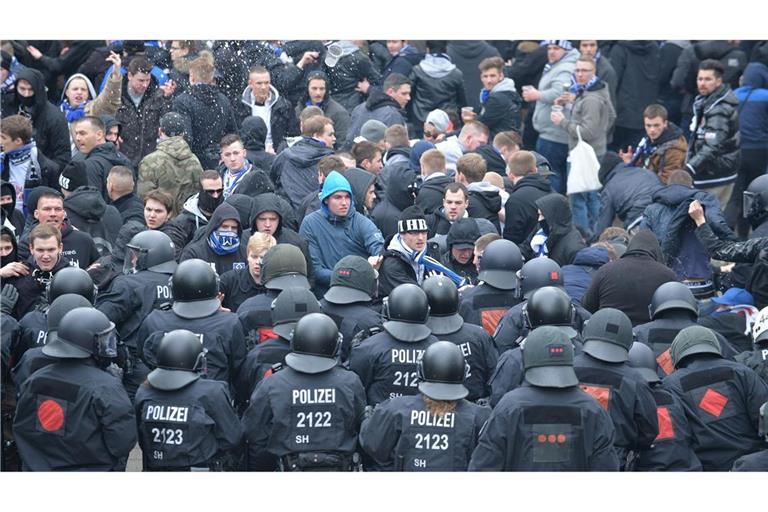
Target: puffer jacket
<point x="551" y="87"/>
<point x="713" y="150"/>
<point x="172" y="168"/>
<point x="435" y="83"/>
<point x="208" y="117"/>
<point x="626" y="192"/>
<point x="501" y="111"/>
<point x="294" y="171"/>
<point x="593" y="115"/>
<point x="379" y="106"/>
<point x="578" y="275"/>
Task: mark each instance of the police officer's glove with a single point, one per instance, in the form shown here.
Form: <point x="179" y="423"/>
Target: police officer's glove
<point x="368" y="412"/>
<point x="115" y="371"/>
<point x="8" y="298"/>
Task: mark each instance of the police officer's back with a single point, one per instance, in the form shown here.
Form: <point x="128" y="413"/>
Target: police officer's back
<point x="721" y="398"/>
<point x="672" y="450"/>
<point x="73" y="415"/>
<point x="548" y="423"/>
<point x="757" y="359"/>
<point x="446" y="324"/>
<point x="547" y="305"/>
<point x="498" y="290"/>
<point x="604" y="374"/>
<point x="308" y="414"/>
<point x="349" y="300"/>
<point x="386" y="362"/>
<point x="436" y="430"/>
<point x="143" y="287"/>
<point x="184" y="422"/>
<point x="756" y="461"/>
<point x="196" y="308"/>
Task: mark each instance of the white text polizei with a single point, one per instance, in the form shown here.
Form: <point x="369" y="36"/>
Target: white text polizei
<point x="314" y="396"/>
<point x="167" y="413"/>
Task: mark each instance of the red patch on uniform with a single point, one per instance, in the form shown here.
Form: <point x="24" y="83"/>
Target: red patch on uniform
<point x="542" y="438"/>
<point x="265" y="334"/>
<point x="665" y="362"/>
<point x="600" y="393"/>
<point x="554" y="276"/>
<point x="490" y="319"/>
<point x="713" y="402"/>
<point x="268" y="373"/>
<point x="561" y="438"/>
<point x="50" y="415"/>
<point x="666" y="430"/>
<point x="552" y="438"/>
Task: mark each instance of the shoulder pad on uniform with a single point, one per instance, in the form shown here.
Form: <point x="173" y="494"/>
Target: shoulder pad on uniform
<point x="165" y="306"/>
<point x="277" y="367"/>
<point x="365" y="334"/>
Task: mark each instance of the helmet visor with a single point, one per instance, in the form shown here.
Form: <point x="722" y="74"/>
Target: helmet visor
<point x="751" y="204"/>
<point x="106" y="343"/>
<point x="135" y="260"/>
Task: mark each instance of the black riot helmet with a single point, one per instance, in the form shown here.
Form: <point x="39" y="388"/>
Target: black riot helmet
<point x="195" y="287"/>
<point x="60" y="307"/>
<point x="180" y="357"/>
<point x="537" y="273"/>
<point x="441" y="371"/>
<point x="673" y="295"/>
<point x="641" y="358"/>
<point x="71" y="280"/>
<point x="756" y="199"/>
<point x="499" y="264"/>
<point x="443" y="297"/>
<point x="608" y="336"/>
<point x="83" y="333"/>
<point x="315" y="343"/>
<point x="550" y="306"/>
<point x="149" y="250"/>
<point x="406" y="311"/>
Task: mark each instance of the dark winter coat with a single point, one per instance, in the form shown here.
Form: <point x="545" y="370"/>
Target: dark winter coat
<point x="208" y="117"/>
<point x="398" y="197"/>
<point x="753" y="99"/>
<point x="626" y="192"/>
<point x="130" y="208"/>
<point x="200" y="249"/>
<point x="637" y="68"/>
<point x="713" y="150"/>
<point x="431" y="192"/>
<point x="294" y="171"/>
<point x="629" y="282"/>
<point x="88" y="212"/>
<point x="379" y="106"/>
<point x="332" y="109"/>
<point x="501" y="111"/>
<point x="281" y="116"/>
<point x="351" y="68"/>
<point x="31" y="291"/>
<point x="435" y="83"/>
<point x="253" y="132"/>
<point x="520" y="209"/>
<point x="50" y="129"/>
<point x="238" y="286"/>
<point x="484" y="203"/>
<point x="563" y="239"/>
<point x="467" y="55"/>
<point x="669" y="154"/>
<point x="140" y="124"/>
<point x="578" y="276"/>
<point x="99" y="162"/>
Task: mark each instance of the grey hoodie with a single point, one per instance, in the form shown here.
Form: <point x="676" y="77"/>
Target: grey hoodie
<point x="437" y="67"/>
<point x="265" y="111"/>
<point x="550" y="87"/>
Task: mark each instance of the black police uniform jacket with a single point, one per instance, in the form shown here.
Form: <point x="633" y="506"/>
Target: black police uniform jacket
<point x="258" y="365"/>
<point x="387" y="366"/>
<point x="752" y="462"/>
<point x="292" y="412"/>
<point x="624" y="394"/>
<point x="221" y="335"/>
<point x="74" y="416"/>
<point x="512" y="326"/>
<point x="756" y="359"/>
<point x="351" y="319"/>
<point x="402" y="435"/>
<point x="186" y="427"/>
<point x="33" y="331"/>
<point x="722" y="401"/>
<point x="546" y="429"/>
<point x="131" y="298"/>
<point x="672" y="449"/>
<point x="481" y="355"/>
<point x="255" y="316"/>
<point x="486" y="305"/>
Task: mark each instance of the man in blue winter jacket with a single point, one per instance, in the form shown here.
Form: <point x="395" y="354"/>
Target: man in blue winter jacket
<point x="338" y="230"/>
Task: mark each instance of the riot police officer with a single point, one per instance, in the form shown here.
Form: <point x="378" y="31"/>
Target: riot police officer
<point x="197" y="308"/>
<point x="604" y="374"/>
<point x="386" y="362"/>
<point x="721" y="398"/>
<point x="34" y="325"/>
<point x="436" y="430"/>
<point x="148" y="264"/>
<point x="673" y="308"/>
<point x="672" y="449"/>
<point x="308" y="414"/>
<point x="446" y="324"/>
<point x="185" y="422"/>
<point x="756" y="461"/>
<point x="73" y="415"/>
<point x="757" y="359"/>
<point x="349" y="300"/>
<point x="287" y="309"/>
<point x="498" y="290"/>
<point x="547" y="305"/>
<point x="535" y="274"/>
<point x="547" y="424"/>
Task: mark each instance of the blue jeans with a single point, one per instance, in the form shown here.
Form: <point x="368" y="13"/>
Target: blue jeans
<point x="557" y="154"/>
<point x="586" y="208"/>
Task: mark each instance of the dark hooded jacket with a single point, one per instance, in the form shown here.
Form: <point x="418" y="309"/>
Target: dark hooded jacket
<point x="431" y="192"/>
<point x="331" y="108"/>
<point x="99" y="162"/>
<point x="140" y="124"/>
<point x="88" y="212"/>
<point x="628" y="283"/>
<point x="208" y="117"/>
<point x="467" y="55"/>
<point x="351" y="68"/>
<point x="578" y="275"/>
<point x="436" y="82"/>
<point x="484" y="203"/>
<point x="31" y="291"/>
<point x="360" y="180"/>
<point x="626" y="192"/>
<point x="637" y="69"/>
<point x="14" y="254"/>
<point x="668" y="219"/>
<point x="753" y="113"/>
<point x="51" y="132"/>
<point x="563" y="239"/>
<point x="111" y="265"/>
<point x="294" y="171"/>
<point x="201" y="250"/>
<point x="253" y="132"/>
<point x="493" y="159"/>
<point x="520" y="209"/>
<point x="379" y="106"/>
<point x="501" y="110"/>
<point x="398" y="197"/>
<point x="130" y="208"/>
<point x="10" y="211"/>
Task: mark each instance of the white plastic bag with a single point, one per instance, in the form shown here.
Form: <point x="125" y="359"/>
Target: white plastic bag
<point x="584" y="168"/>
